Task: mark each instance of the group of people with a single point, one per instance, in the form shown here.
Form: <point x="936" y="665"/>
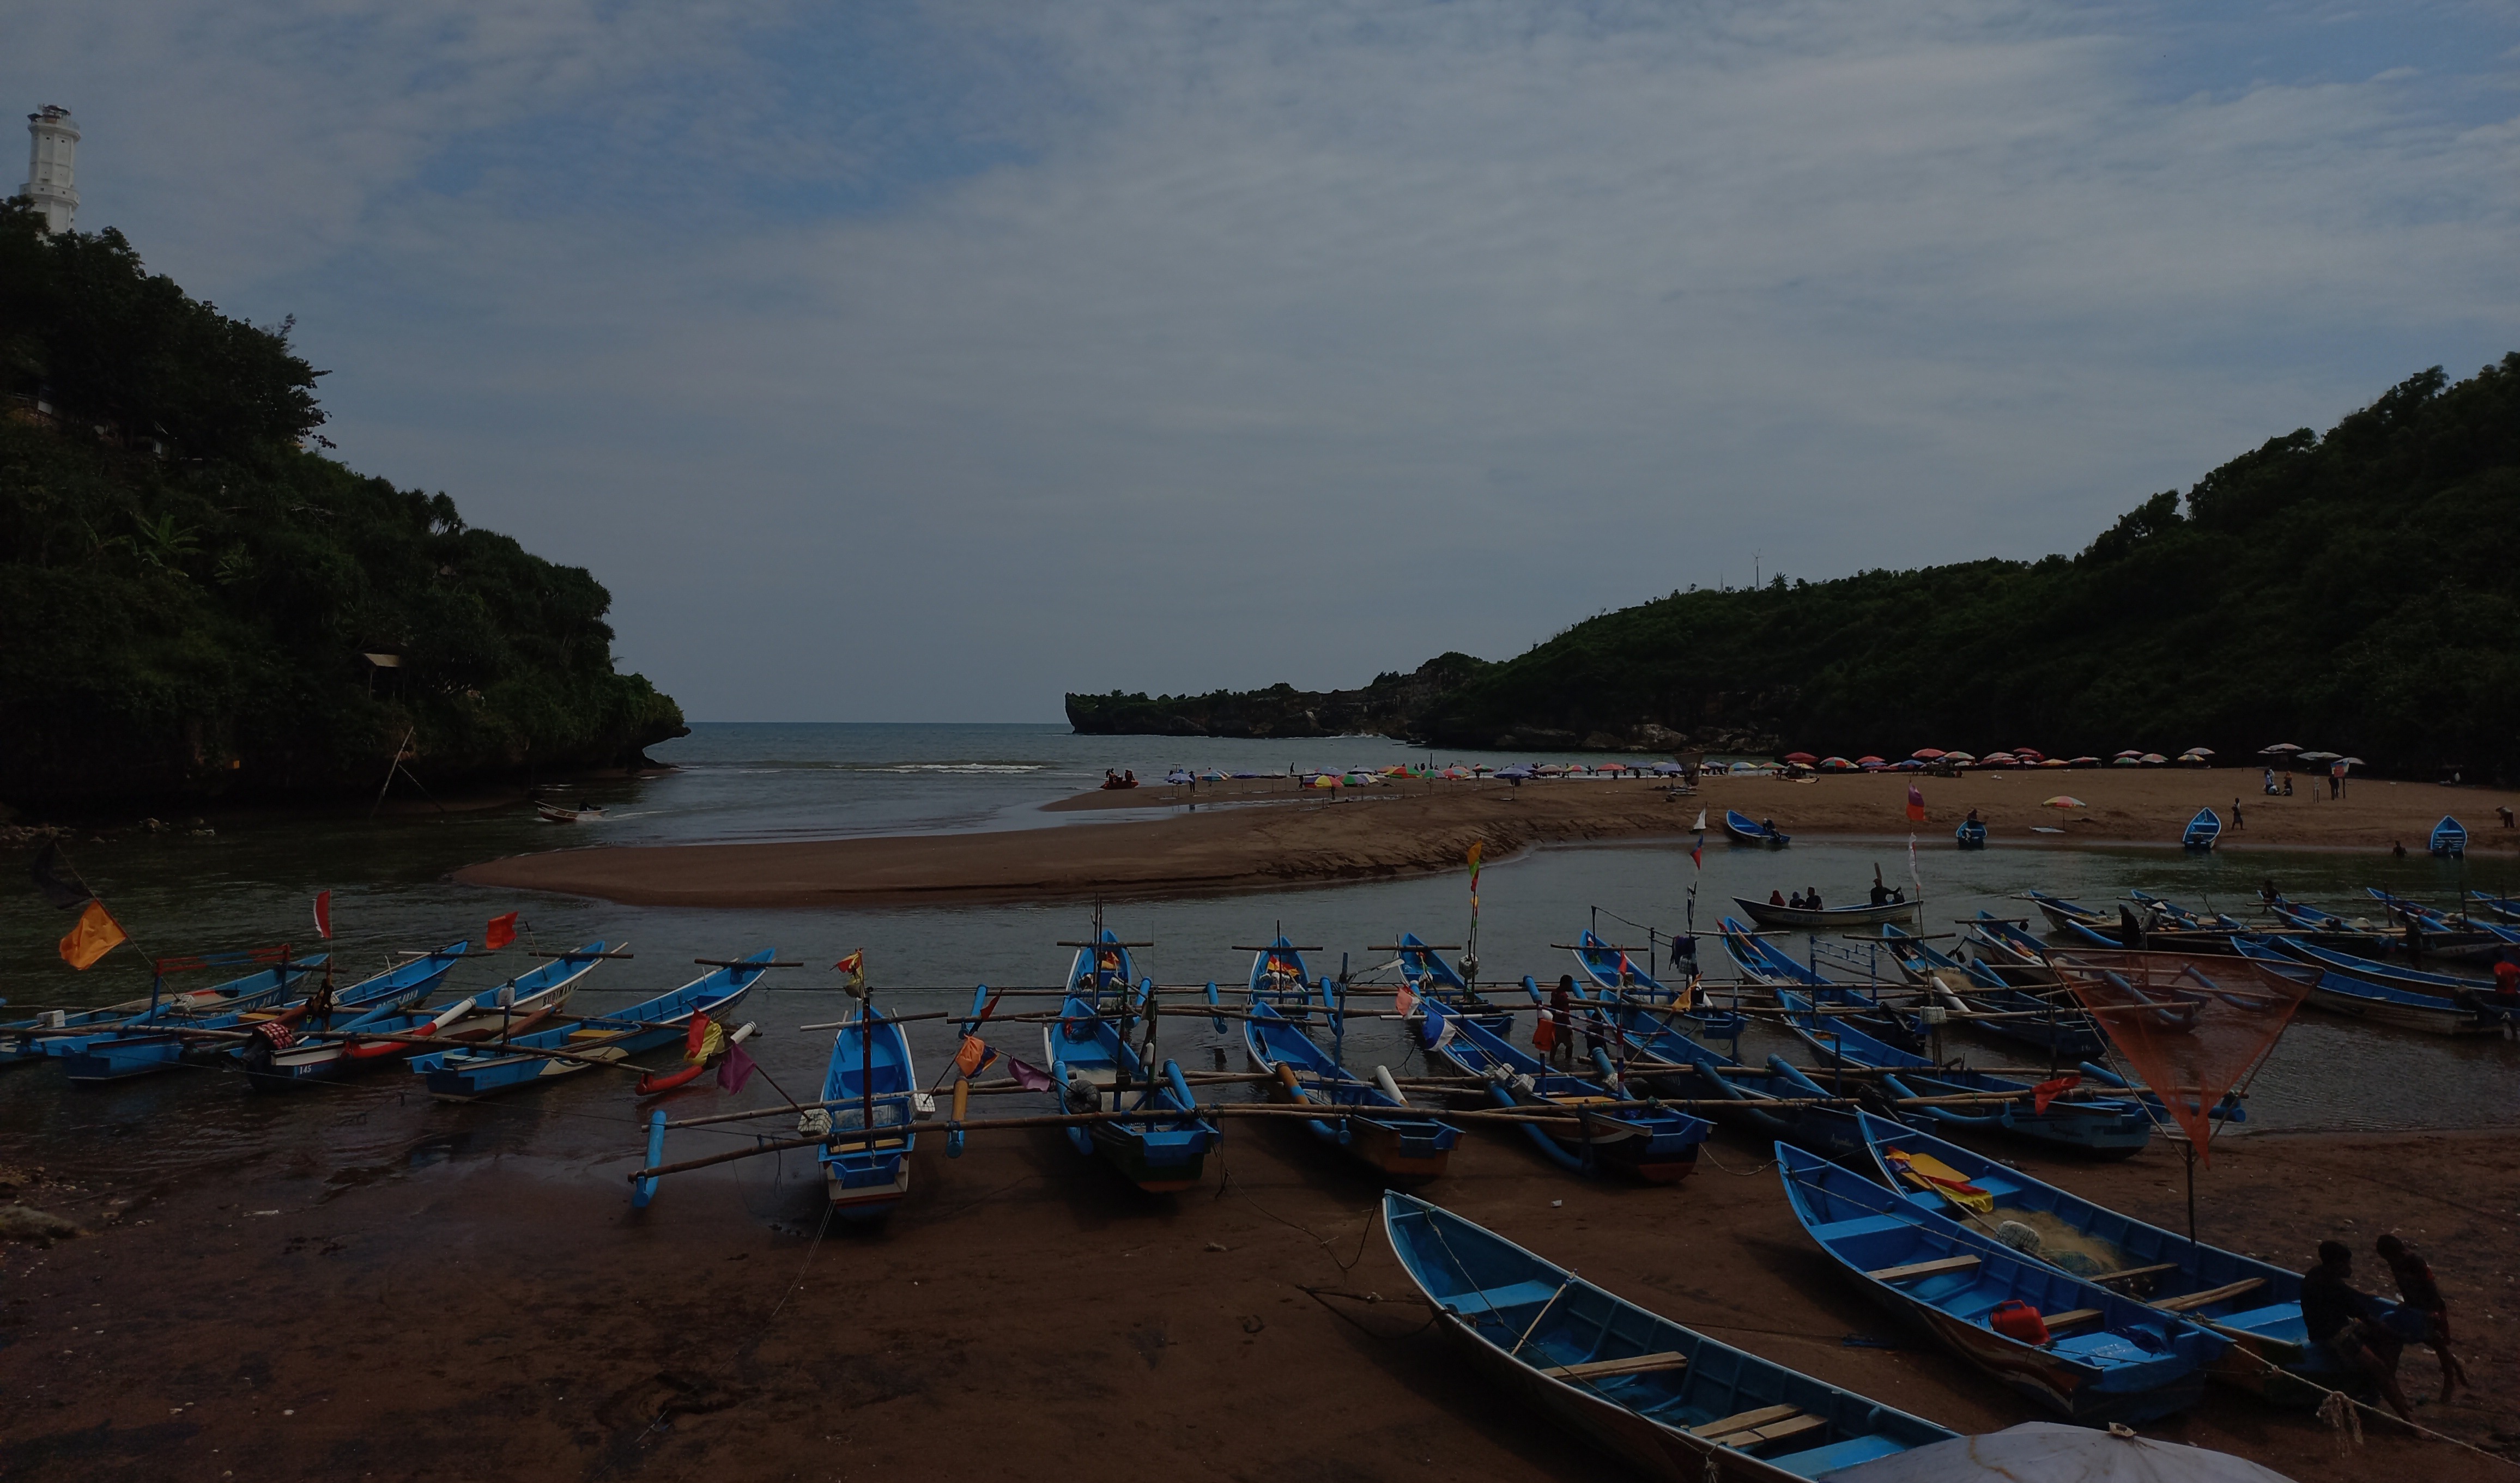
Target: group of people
<point x="2347" y="1325"/>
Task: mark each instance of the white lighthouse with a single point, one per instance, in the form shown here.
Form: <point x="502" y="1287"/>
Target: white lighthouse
<point x="50" y="163"/>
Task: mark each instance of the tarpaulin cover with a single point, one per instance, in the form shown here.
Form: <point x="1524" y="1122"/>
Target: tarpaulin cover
<point x="2051" y="1452"/>
<point x="2191" y="1026"/>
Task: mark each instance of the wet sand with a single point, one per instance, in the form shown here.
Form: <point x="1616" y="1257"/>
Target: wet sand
<point x="1026" y="1313"/>
<point x="1266" y="834"/>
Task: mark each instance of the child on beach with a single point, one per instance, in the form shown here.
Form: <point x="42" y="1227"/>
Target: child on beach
<point x="2415" y="1285"/>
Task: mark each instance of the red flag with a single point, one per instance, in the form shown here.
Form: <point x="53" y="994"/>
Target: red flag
<point x="1915" y="805"/>
<point x="2047" y="1092"/>
<point x="324" y="915"/>
<point x="501" y="932"/>
<point x="697" y="1037"/>
<point x="1544" y="1034"/>
<point x="1406" y="1002"/>
<point x="736" y="1069"/>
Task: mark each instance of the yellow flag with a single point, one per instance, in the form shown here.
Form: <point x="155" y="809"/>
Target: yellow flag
<point x="96" y="935"/>
<point x="712" y="1042"/>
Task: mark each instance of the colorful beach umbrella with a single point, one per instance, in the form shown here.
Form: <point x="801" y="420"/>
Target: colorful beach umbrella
<point x="2281" y="747"/>
<point x="2152" y="759"/>
<point x="1926" y="755"/>
<point x="1867" y="761"/>
<point x="1805" y="759"/>
<point x="2063" y="800"/>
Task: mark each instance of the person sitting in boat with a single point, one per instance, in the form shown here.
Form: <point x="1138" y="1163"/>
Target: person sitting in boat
<point x="1768" y="827"/>
<point x="2422" y="1294"/>
<point x="1811" y="898"/>
<point x="1881" y="892"/>
<point x="1897" y="894"/>
<point x="1797" y="902"/>
<point x="1775" y="898"/>
<point x="2338" y="1318"/>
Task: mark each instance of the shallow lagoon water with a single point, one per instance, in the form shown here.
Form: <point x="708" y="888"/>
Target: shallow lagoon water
<point x="252" y="883"/>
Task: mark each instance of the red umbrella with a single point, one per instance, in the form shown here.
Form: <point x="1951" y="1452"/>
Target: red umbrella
<point x="1867" y="761"/>
<point x="1927" y="755"/>
<point x="2028" y="754"/>
<point x="1805" y="759"/>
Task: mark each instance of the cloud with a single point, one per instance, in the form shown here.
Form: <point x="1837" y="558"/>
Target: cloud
<point x="928" y="367"/>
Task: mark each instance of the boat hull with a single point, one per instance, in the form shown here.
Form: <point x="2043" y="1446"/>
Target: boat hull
<point x="866" y="1196"/>
<point x="1768" y="914"/>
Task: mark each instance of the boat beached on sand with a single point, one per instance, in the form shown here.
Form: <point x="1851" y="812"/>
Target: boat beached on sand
<point x="491" y="1068"/>
<point x="1678" y="1405"/>
<point x="2091" y="1354"/>
<point x="1165" y="1148"/>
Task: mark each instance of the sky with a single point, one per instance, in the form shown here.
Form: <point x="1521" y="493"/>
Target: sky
<point x="893" y="362"/>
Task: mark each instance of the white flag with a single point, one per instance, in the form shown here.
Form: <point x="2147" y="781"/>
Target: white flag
<point x="1701" y="821"/>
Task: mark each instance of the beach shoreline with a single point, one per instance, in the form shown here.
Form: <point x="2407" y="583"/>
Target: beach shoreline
<point x="1271" y="833"/>
<point x="289" y="1317"/>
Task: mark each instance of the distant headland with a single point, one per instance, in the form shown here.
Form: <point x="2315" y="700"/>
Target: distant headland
<point x="2353" y="592"/>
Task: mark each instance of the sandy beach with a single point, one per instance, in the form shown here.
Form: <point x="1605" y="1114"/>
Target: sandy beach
<point x="1025" y="1312"/>
<point x="1267" y="833"/>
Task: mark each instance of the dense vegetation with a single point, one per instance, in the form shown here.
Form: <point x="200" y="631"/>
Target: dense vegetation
<point x="186" y="594"/>
<point x="2356" y="592"/>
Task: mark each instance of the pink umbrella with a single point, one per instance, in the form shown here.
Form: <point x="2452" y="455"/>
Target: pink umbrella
<point x="1926" y="755"/>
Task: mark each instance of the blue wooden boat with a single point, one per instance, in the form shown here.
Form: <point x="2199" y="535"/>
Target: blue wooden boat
<point x="1367" y="1120"/>
<point x="2105" y="1358"/>
<point x="60" y="1032"/>
<point x="1429" y="976"/>
<point x="166" y="1041"/>
<point x="1751" y="1093"/>
<point x="2448" y="931"/>
<point x="2255" y="1304"/>
<point x="2449" y="837"/>
<point x="505" y="1066"/>
<point x="1746" y="830"/>
<point x="2202" y="830"/>
<point x="1680" y="1405"/>
<point x="869" y="1105"/>
<point x="2100" y="1127"/>
<point x="354" y="1045"/>
<point x="1655" y="1145"/>
<point x="1614" y="972"/>
<point x="1971" y="834"/>
<point x="1763" y="961"/>
<point x="2451" y="986"/>
<point x="2059" y="1029"/>
<point x="2180" y="918"/>
<point x="2062" y="913"/>
<point x="1090" y="1057"/>
<point x="2341" y="992"/>
<point x="2505" y="907"/>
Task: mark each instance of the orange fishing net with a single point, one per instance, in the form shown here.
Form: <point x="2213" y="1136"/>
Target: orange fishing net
<point x="2193" y="1027"/>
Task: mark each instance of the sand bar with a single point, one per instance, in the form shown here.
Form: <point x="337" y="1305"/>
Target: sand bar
<point x="1265" y="833"/>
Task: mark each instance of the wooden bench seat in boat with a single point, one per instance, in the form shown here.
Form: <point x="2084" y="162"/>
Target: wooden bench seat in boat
<point x="2185" y="1301"/>
<point x="1933" y="1268"/>
<point x="1749" y="1428"/>
<point x="1495" y="1299"/>
<point x="1635" y="1364"/>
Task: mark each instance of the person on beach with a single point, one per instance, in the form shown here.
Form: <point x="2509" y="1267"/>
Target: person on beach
<point x="2270" y="780"/>
<point x="2287" y="784"/>
<point x="1562" y="1023"/>
<point x="2235" y="812"/>
<point x="2417" y="1289"/>
<point x="2337" y="1317"/>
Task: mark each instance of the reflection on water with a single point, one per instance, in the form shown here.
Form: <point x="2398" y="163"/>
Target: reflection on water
<point x="252" y="882"/>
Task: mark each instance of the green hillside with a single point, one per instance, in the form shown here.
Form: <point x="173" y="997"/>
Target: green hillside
<point x="2355" y="591"/>
<point x="187" y="592"/>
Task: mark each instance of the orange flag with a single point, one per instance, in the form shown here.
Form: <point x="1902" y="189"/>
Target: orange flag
<point x="96" y="935"/>
<point x="501" y="932"/>
<point x="1915" y="805"/>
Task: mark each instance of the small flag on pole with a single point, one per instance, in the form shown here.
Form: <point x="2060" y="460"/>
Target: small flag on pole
<point x="1915" y="805"/>
<point x="96" y="934"/>
<point x="854" y="965"/>
<point x="1405" y="1001"/>
<point x="501" y="932"/>
<point x="324" y="915"/>
<point x="1029" y="1077"/>
<point x="736" y="1069"/>
<point x="972" y="1056"/>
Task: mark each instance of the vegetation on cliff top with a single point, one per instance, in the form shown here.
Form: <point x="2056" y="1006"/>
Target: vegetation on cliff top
<point x="2354" y="592"/>
<point x="187" y="595"/>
